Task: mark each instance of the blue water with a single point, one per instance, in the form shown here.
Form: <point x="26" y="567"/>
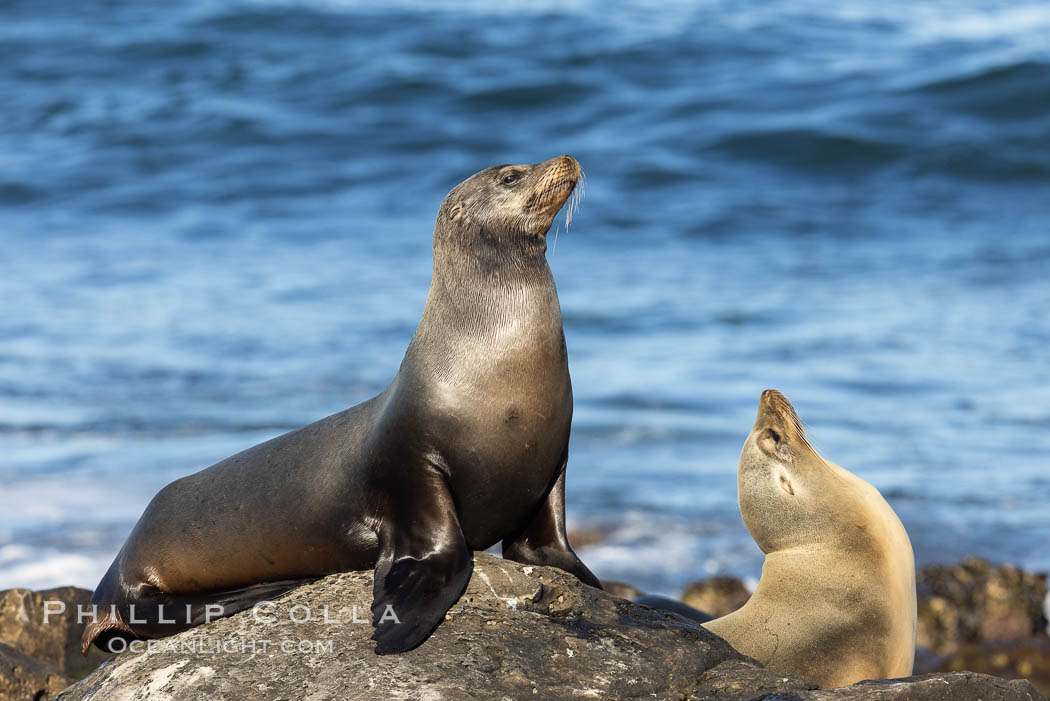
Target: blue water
<point x="215" y="223"/>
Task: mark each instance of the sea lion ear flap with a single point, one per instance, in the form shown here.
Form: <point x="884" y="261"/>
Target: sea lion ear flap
<point x="455" y="212"/>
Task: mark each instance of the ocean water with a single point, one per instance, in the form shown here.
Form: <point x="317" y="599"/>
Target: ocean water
<point x="215" y="226"/>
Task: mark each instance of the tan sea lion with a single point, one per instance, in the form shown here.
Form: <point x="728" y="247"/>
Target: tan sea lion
<point x="836" y="599"/>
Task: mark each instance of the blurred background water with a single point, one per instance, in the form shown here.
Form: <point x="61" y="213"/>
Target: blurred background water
<point x="216" y="220"/>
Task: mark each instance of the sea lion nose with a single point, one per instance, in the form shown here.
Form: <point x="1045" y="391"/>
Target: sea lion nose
<point x="571" y="163"/>
<point x="769" y="404"/>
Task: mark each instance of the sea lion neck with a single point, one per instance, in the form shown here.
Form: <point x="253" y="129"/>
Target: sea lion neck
<point x="484" y="277"/>
<point x="483" y="253"/>
<point x="472" y="296"/>
<point x="477" y="314"/>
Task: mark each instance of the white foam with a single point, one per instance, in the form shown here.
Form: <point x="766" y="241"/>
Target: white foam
<point x="54" y="500"/>
<point x="1006" y="22"/>
<point x="46" y="569"/>
<point x="476" y="6"/>
<point x="658" y="553"/>
<point x="13" y="552"/>
<point x="637" y="21"/>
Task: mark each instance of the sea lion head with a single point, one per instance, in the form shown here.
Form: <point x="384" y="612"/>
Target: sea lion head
<point x="508" y="207"/>
<point x="789" y="495"/>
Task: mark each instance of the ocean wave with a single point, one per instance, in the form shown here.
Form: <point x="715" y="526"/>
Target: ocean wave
<point x="996" y="164"/>
<point x="1013" y="22"/>
<point x="139" y="427"/>
<point x="825" y="154"/>
<point x="820" y="152"/>
<point x="1013" y="91"/>
<point x="17" y="194"/>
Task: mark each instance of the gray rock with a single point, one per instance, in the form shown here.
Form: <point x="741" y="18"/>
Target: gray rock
<point x="975" y="601"/>
<point x="717" y="596"/>
<point x="621" y="590"/>
<point x="55" y="638"/>
<point x="982" y="617"/>
<point x="743" y="679"/>
<point x="23" y="678"/>
<point x="1018" y="659"/>
<point x="933" y="687"/>
<point x="516" y="629"/>
<point x="721" y="683"/>
<point x="517" y="633"/>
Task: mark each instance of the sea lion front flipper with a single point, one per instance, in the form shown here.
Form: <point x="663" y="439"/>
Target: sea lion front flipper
<point x="543" y="541"/>
<point x="423" y="566"/>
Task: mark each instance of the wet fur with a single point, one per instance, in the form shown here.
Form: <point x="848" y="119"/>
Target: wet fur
<point x="466" y="448"/>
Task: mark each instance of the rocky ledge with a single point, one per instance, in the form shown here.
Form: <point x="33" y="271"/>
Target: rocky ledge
<point x="25" y="677"/>
<point x="986" y="618"/>
<point x="37" y="658"/>
<point x="518" y="632"/>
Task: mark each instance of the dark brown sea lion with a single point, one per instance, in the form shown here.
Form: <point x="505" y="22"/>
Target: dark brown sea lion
<point x="466" y="448"/>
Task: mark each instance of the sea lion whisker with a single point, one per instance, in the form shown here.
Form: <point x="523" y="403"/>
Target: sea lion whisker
<point x="574" y="201"/>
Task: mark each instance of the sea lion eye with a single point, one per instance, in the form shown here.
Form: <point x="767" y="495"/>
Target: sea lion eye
<point x="774" y="435"/>
<point x="511" y="177"/>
